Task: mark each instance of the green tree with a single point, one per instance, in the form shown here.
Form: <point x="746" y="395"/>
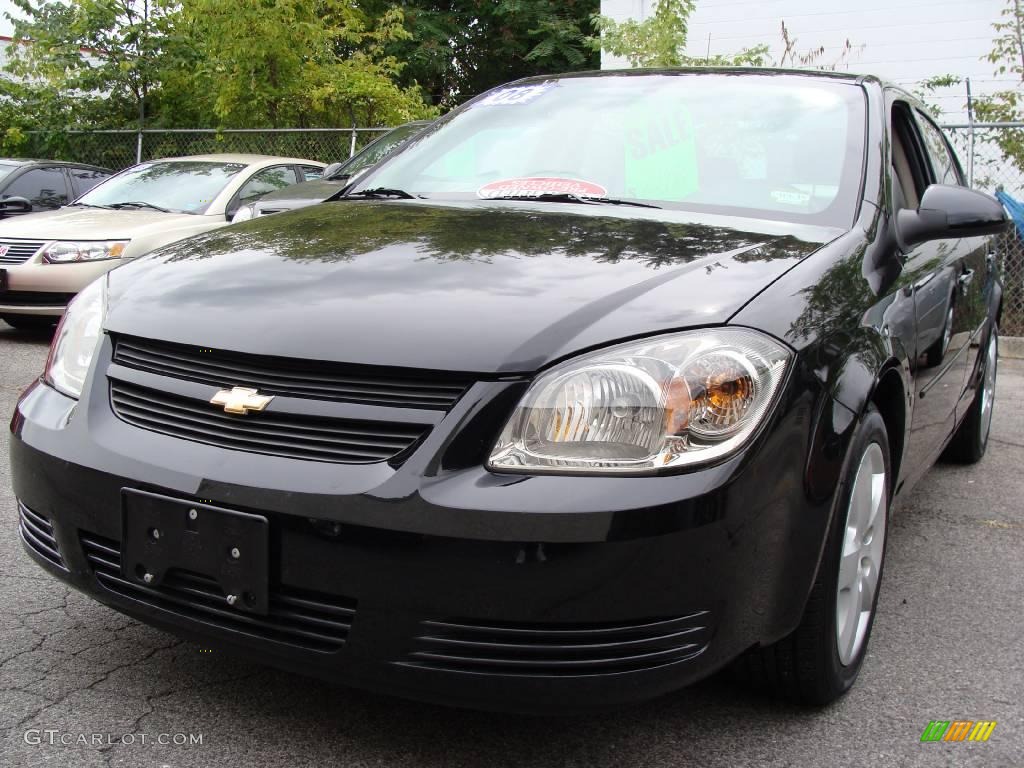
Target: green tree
<point x="291" y="63"/>
<point x="101" y="57"/>
<point x="456" y="50"/>
<point x="660" y="39"/>
<point x="1007" y="55"/>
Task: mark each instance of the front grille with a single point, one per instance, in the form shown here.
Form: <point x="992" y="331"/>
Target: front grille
<point x="37" y="533"/>
<point x="35" y="298"/>
<point x="558" y="649"/>
<point x="311" y="620"/>
<point x="19" y="251"/>
<point x="289" y="377"/>
<point x="298" y="437"/>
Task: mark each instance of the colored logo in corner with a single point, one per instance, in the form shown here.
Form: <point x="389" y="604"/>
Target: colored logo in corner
<point x="958" y="730"/>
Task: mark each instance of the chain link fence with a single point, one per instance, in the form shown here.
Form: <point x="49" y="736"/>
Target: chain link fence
<point x="992" y="170"/>
<point x="117" y="149"/>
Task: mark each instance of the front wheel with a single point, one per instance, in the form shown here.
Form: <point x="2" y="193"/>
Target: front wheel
<point x="820" y="660"/>
<point x="971" y="438"/>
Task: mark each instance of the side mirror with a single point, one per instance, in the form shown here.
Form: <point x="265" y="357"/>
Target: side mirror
<point x="950" y="211"/>
<point x="332" y="169"/>
<point x="12" y="206"/>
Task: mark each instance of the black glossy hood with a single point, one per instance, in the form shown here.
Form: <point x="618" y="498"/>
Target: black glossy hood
<point x="506" y="287"/>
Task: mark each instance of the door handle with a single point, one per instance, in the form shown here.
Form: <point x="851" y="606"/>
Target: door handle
<point x="965" y="280"/>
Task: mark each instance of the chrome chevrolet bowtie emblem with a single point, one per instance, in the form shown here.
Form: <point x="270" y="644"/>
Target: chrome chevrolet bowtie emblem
<point x="241" y="400"/>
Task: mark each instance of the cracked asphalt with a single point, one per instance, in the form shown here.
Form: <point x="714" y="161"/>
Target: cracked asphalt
<point x="947" y="645"/>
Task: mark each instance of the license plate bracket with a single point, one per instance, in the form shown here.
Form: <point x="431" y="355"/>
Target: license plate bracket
<point x="161" y="534"/>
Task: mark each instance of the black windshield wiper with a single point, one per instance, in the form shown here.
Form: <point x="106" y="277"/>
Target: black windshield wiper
<point x="138" y="204"/>
<point x="382" y="192"/>
<point x="568" y="197"/>
<point x="89" y="205"/>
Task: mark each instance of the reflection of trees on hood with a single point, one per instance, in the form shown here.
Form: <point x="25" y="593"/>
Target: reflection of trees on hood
<point x="344" y="230"/>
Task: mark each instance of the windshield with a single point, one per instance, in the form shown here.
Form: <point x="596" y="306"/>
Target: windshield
<point x="178" y="186"/>
<point x="377" y="150"/>
<point x="767" y="146"/>
<point x="6" y="168"/>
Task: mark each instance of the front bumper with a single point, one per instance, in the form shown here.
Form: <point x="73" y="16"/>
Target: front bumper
<point x="44" y="290"/>
<point x="459" y="586"/>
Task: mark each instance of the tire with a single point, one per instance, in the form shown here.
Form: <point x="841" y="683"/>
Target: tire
<point x="970" y="440"/>
<point x="820" y="660"/>
<point x="30" y="322"/>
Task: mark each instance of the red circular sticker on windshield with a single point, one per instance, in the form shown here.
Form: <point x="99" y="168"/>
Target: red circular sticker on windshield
<point x="531" y="186"/>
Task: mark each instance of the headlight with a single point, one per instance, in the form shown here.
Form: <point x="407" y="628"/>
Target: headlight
<point x="65" y="252"/>
<point x="244" y="213"/>
<point x="76" y="340"/>
<point x="659" y="403"/>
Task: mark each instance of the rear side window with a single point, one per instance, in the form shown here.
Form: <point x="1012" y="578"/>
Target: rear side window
<point x="43" y="187"/>
<point x="944" y="163"/>
<point x="84" y="179"/>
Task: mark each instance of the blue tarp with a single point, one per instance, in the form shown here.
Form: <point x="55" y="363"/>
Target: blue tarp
<point x="1015" y="209"/>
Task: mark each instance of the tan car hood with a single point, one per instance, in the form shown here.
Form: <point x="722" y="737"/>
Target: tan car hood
<point x="80" y="223"/>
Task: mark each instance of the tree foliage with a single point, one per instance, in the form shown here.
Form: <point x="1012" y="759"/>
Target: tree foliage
<point x="1007" y="55"/>
<point x="291" y="63"/>
<point x="458" y="49"/>
<point x="660" y="40"/>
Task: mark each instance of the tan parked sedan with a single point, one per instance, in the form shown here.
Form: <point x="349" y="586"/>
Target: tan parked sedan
<point x="48" y="257"/>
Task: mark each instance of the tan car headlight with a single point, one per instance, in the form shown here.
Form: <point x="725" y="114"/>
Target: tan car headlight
<point x="69" y="251"/>
<point x="659" y="403"/>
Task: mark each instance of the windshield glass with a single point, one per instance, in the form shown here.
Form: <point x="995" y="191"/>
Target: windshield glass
<point x="377" y="150"/>
<point x="180" y="186"/>
<point x="768" y="146"/>
<point x="6" y="168"/>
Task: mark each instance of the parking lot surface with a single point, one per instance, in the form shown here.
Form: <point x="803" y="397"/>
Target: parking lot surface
<point x="947" y="645"/>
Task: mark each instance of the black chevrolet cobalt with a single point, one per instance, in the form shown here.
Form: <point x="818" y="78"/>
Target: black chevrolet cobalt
<point x="603" y="383"/>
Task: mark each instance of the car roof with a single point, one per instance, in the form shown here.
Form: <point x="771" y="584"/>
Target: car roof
<point x="63" y="163"/>
<point x="235" y="157"/>
<point x="748" y="71"/>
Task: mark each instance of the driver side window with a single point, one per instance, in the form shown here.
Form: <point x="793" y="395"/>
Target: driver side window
<point x="909" y="174"/>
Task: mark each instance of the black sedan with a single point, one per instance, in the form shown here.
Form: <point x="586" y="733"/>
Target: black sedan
<point x="610" y="381"/>
<point x="44" y="185"/>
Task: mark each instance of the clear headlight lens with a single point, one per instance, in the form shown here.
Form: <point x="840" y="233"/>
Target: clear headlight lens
<point x="77" y="337"/>
<point x="664" y="402"/>
<point x="67" y="251"/>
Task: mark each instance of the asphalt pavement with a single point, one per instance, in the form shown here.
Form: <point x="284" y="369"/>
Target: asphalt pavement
<point x="81" y="685"/>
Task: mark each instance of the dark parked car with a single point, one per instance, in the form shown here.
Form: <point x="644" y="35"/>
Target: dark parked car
<point x="331" y="182"/>
<point x="44" y="185"/>
<point x="610" y="381"/>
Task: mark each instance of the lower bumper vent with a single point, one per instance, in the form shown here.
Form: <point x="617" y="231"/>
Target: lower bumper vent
<point x="37" y="534"/>
<point x="311" y="620"/>
<point x="558" y="649"/>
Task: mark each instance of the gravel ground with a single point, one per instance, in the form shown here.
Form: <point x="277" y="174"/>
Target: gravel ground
<point x="946" y="645"/>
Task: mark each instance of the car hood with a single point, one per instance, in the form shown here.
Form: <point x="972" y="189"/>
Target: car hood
<point x="497" y="288"/>
<point x="80" y="223"/>
<point x="306" y="193"/>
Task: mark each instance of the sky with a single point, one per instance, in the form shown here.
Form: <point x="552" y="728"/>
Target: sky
<point x="902" y="40"/>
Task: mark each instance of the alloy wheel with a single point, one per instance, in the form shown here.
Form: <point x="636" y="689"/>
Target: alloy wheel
<point x="861" y="557"/>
